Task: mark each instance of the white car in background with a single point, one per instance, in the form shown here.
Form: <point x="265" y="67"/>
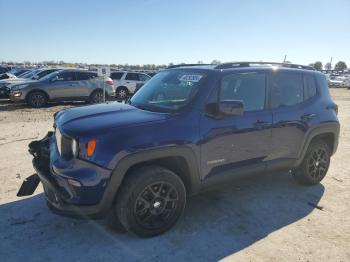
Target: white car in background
<point x="347" y="81"/>
<point x="336" y="81"/>
<point x="126" y="82"/>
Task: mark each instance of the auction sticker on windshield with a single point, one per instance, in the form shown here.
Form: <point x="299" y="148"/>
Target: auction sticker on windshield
<point x="191" y="78"/>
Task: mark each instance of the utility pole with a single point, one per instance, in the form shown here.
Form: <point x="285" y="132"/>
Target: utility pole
<point x="285" y="58"/>
<point x="331" y="61"/>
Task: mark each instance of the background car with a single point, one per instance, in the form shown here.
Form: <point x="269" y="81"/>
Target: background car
<point x="347" y="82"/>
<point x="126" y="82"/>
<point x="35" y="74"/>
<point x="18" y="71"/>
<point x="335" y="81"/>
<point x="4" y="69"/>
<point x="7" y="76"/>
<point x="63" y="85"/>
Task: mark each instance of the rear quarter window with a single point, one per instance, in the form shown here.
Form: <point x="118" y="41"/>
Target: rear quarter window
<point x="310" y="90"/>
<point x="322" y="83"/>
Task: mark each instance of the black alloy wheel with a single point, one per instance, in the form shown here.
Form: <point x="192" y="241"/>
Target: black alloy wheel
<point x="315" y="164"/>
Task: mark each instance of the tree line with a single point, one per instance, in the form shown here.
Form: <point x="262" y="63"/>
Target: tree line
<point x="340" y="66"/>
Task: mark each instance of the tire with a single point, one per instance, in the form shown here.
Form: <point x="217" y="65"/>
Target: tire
<point x="315" y="164"/>
<point x="37" y="99"/>
<point x="150" y="201"/>
<point x="96" y="97"/>
<point x="122" y="93"/>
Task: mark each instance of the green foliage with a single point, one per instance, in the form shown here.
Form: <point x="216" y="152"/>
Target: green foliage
<point x="318" y="65"/>
<point x="340" y="66"/>
<point x="328" y="66"/>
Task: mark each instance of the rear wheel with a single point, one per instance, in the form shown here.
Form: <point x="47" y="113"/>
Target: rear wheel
<point x="315" y="164"/>
<point x="96" y="97"/>
<point x="150" y="201"/>
<point x="37" y="99"/>
<point x="122" y="93"/>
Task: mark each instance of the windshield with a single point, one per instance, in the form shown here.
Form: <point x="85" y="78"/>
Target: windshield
<point x="50" y="76"/>
<point x="168" y="91"/>
<point x="29" y="74"/>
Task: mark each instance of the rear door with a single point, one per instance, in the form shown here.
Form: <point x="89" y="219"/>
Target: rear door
<point x="292" y="96"/>
<point x="85" y="84"/>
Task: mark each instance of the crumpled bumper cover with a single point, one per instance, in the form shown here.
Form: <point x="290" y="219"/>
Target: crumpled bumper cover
<point x="61" y="197"/>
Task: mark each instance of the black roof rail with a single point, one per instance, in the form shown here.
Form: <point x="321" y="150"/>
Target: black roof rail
<point x="181" y="65"/>
<point x="248" y="64"/>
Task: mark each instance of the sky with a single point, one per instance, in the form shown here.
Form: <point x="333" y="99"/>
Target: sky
<point x="174" y="31"/>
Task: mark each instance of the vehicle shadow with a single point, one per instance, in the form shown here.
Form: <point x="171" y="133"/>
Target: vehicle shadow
<point x="215" y="224"/>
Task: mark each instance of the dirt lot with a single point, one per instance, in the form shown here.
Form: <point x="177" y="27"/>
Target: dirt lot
<point x="265" y="218"/>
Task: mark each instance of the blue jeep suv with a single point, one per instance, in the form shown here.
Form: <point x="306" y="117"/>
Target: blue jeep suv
<point x="189" y="128"/>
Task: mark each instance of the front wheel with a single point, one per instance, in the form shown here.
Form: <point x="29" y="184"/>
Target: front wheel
<point x="37" y="99"/>
<point x="315" y="164"/>
<point x="151" y="200"/>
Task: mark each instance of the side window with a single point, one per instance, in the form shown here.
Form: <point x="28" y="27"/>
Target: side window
<point x="66" y="76"/>
<point x="286" y="89"/>
<point x="82" y="76"/>
<point x="132" y="76"/>
<point x="309" y="87"/>
<point x="117" y="75"/>
<point x="249" y="88"/>
<point x="143" y="77"/>
<point x="92" y="75"/>
<point x="44" y="73"/>
<point x="85" y="76"/>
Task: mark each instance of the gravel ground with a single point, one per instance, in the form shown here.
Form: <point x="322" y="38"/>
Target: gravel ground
<point x="264" y="218"/>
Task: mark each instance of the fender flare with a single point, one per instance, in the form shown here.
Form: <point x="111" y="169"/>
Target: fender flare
<point x="321" y="129"/>
<point x="123" y="165"/>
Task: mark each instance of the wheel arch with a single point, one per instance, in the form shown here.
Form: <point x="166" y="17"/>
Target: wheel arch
<point x="180" y="160"/>
<point x="329" y="132"/>
<point x="96" y="90"/>
<point x="122" y="86"/>
<point x="37" y="90"/>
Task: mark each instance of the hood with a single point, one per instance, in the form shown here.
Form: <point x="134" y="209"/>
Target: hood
<point x="103" y="117"/>
<point x="20" y="83"/>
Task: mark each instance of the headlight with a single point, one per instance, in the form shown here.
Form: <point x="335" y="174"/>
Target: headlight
<point x="75" y="148"/>
<point x="58" y="140"/>
<point x="17" y="93"/>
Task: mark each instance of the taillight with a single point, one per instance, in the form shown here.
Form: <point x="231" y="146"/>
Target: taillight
<point x="109" y="82"/>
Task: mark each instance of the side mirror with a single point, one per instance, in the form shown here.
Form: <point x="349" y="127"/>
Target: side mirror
<point x="35" y="78"/>
<point x="231" y="107"/>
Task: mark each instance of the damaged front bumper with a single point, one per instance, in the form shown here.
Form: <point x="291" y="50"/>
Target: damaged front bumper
<point x="61" y="197"/>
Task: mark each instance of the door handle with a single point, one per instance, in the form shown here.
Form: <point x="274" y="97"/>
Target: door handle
<point x="307" y="117"/>
<point x="261" y="124"/>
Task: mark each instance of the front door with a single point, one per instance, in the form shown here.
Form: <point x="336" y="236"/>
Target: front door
<point x="63" y="85"/>
<point x="237" y="141"/>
